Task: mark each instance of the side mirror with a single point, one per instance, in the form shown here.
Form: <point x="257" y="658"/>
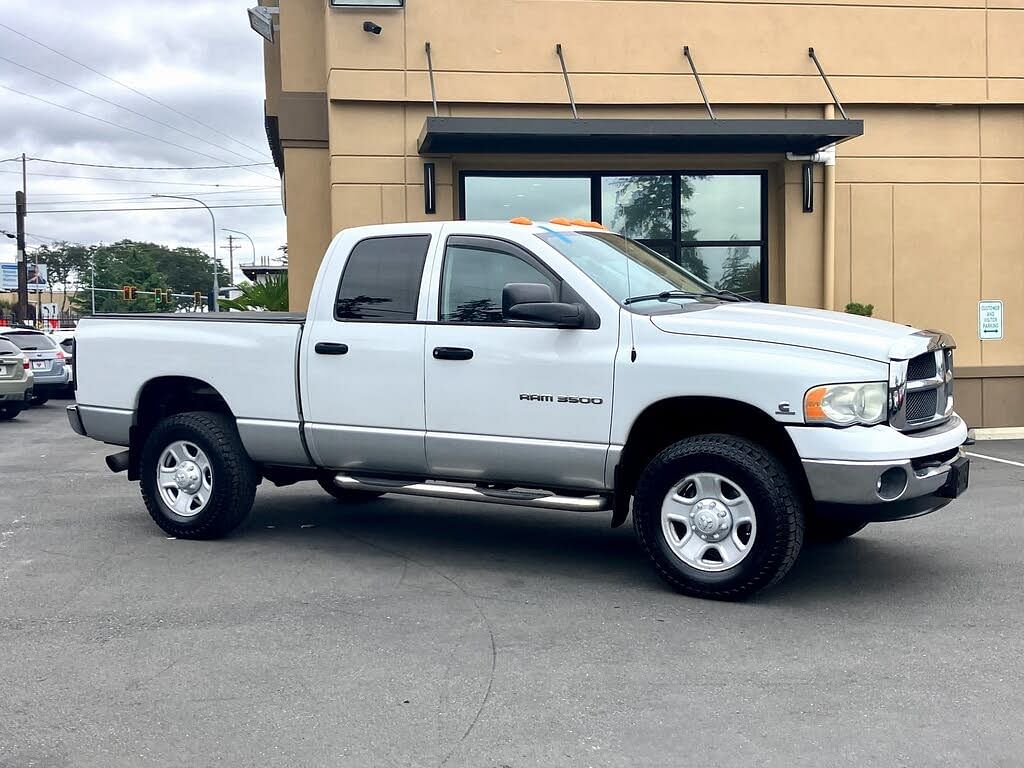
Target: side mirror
<point x="535" y="303"/>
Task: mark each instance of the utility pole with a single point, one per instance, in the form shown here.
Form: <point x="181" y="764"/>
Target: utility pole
<point x="231" y="257"/>
<point x="21" y="211"/>
<point x="215" y="304"/>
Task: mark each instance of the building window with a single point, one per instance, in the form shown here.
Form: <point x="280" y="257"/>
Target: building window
<point x="712" y="223"/>
<point x="536" y="197"/>
<point x="381" y="281"/>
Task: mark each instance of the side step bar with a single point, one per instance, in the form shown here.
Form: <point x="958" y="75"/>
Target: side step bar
<point x="539" y="499"/>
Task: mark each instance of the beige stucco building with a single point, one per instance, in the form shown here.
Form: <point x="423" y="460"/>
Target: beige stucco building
<point x="922" y="215"/>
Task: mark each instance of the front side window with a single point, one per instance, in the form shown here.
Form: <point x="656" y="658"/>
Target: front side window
<point x="381" y="281"/>
<point x="473" y="279"/>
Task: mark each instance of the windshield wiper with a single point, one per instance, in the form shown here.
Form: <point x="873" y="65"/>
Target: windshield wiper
<point x="737" y="296"/>
<point x="666" y="295"/>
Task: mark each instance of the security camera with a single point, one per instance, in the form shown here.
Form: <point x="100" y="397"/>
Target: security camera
<point x="369" y="26"/>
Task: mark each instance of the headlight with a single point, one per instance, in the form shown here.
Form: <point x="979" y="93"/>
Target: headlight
<point x="846" y="404"/>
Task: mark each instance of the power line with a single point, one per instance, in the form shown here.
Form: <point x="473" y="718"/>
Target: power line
<point x="139" y="181"/>
<point x="142" y="194"/>
<point x="115" y="125"/>
<point x="175" y="208"/>
<point x="141" y="167"/>
<point x="125" y="85"/>
<point x="126" y="109"/>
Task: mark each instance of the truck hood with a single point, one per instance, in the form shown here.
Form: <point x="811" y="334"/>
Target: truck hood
<point x="793" y="326"/>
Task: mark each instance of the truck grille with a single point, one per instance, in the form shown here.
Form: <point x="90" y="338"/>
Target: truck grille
<point x="929" y="391"/>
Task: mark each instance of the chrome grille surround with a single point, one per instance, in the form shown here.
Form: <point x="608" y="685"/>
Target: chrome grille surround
<point x="923" y="401"/>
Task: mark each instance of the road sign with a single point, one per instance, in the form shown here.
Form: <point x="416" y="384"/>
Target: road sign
<point x="990" y="320"/>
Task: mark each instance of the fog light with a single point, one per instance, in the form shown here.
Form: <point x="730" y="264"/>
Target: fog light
<point x="892" y="483"/>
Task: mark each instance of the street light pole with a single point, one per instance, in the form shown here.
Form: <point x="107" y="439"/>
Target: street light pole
<point x="216" y="263"/>
<point x="237" y="232"/>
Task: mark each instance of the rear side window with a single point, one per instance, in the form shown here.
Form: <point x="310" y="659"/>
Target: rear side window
<point x="381" y="282"/>
<point x="31" y="341"/>
<point x="6" y="348"/>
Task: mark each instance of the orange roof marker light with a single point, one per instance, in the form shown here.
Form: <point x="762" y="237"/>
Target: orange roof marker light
<point x="520" y="220"/>
<point x="564" y="222"/>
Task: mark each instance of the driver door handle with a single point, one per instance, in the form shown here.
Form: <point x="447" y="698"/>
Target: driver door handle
<point x="330" y="348"/>
<point x="452" y="353"/>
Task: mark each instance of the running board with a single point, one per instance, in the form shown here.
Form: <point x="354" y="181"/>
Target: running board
<point x="539" y="499"/>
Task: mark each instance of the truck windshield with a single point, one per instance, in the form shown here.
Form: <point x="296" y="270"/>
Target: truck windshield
<point x="628" y="271"/>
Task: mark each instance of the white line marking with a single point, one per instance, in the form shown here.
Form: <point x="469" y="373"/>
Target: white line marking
<point x="993" y="458"/>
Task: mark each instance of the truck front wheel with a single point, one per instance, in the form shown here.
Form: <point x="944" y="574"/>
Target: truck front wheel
<point x="719" y="516"/>
<point x="197" y="480"/>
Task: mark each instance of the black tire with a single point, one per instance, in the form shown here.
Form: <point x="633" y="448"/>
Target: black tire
<point x="824" y="530"/>
<point x="345" y="495"/>
<point x="234" y="477"/>
<point x="38" y="400"/>
<point x="761" y="476"/>
<point x="8" y="412"/>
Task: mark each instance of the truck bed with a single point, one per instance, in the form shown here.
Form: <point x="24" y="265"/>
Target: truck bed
<point x="253" y="316"/>
<point x="249" y="358"/>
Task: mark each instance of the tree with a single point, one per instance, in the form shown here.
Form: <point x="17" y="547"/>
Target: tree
<point x="740" y="274"/>
<point x="65" y="265"/>
<point x="643" y="211"/>
<point x="272" y="294"/>
<point x="148" y="267"/>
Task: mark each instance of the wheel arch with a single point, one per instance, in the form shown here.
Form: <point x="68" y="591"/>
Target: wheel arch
<point x="667" y="421"/>
<point x="165" y="396"/>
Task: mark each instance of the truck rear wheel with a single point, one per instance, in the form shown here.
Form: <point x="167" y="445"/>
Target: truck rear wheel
<point x="197" y="480"/>
<point x="719" y="516"/>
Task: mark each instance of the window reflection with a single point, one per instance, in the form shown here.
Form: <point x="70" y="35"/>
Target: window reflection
<point x="735" y="268"/>
<point x="639" y="207"/>
<point x="723" y="207"/>
<point x="536" y="197"/>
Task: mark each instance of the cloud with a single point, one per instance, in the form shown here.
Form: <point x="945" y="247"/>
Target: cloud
<point x="199" y="57"/>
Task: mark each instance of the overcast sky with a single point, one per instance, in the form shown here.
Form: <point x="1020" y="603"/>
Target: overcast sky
<point x="200" y="58"/>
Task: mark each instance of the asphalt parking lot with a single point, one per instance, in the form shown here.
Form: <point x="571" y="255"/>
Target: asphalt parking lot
<point x="407" y="632"/>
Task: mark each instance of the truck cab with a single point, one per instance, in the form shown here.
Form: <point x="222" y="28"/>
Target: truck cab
<point x="555" y="365"/>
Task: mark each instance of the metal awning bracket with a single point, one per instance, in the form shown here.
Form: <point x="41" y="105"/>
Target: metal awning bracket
<point x="430" y="72"/>
<point x="700" y="85"/>
<point x="814" y="58"/>
<point x="568" y="85"/>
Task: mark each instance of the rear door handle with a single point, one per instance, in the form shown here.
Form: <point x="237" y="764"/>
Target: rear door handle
<point x="330" y="348"/>
<point x="452" y="353"/>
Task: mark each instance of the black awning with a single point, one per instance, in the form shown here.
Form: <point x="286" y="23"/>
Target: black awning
<point x="530" y="135"/>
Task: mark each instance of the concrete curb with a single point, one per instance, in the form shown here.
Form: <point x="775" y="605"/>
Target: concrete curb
<point x="998" y="433"/>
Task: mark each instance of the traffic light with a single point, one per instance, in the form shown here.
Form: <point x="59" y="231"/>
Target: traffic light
<point x="197" y="299"/>
<point x="159" y="296"/>
<point x="128" y="292"/>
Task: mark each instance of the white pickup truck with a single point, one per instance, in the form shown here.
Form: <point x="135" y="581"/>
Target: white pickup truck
<point x="556" y="366"/>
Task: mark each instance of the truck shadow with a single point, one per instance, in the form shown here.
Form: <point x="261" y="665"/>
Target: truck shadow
<point x="510" y="542"/>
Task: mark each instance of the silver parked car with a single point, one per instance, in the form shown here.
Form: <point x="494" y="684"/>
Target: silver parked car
<point x="46" y="361"/>
<point x="15" y="381"/>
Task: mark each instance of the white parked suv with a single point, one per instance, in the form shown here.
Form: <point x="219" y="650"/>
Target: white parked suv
<point x="545" y="365"/>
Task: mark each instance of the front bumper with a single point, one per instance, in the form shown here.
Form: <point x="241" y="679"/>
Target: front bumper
<point x="877" y="491"/>
<point x="888" y="475"/>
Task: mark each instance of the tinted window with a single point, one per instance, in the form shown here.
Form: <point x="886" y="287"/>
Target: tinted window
<point x="536" y="197"/>
<point x="381" y="281"/>
<point x="31" y="341"/>
<point x="6" y="348"/>
<point x="473" y="280"/>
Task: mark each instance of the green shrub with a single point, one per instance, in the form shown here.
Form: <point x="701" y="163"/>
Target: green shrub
<point x="856" y="308"/>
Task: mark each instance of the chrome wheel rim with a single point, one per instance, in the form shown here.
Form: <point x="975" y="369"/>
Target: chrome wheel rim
<point x="708" y="522"/>
<point x="185" y="478"/>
